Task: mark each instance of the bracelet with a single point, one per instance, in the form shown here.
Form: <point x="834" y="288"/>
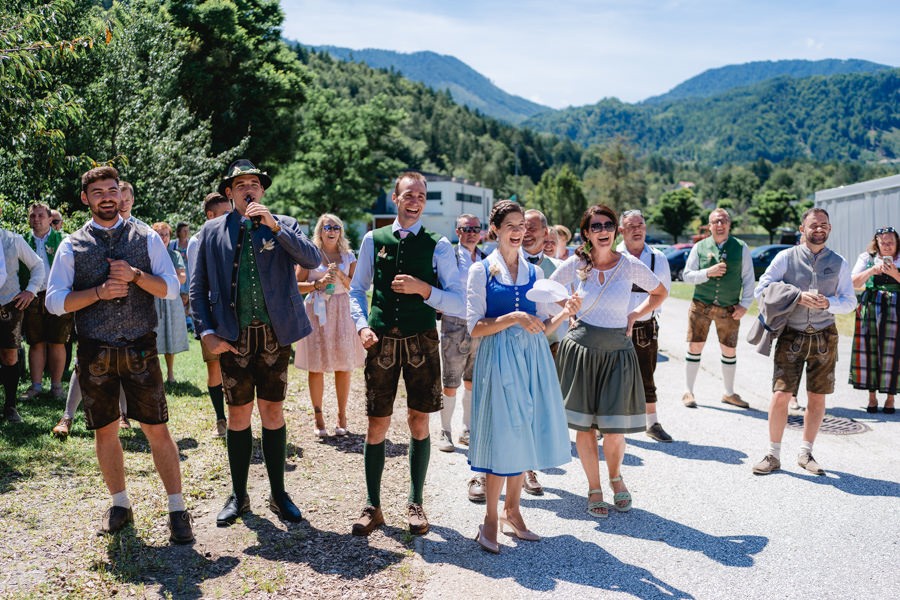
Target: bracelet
<point x="316" y="285"/>
<point x="97" y="291"/>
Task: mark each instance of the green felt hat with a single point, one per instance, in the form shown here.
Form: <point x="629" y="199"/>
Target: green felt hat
<point x="243" y="167"/>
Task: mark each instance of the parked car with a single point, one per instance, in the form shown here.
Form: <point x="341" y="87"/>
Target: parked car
<point x="664" y="248"/>
<point x="762" y="256"/>
<point x="677" y="257"/>
<point x="687" y="245"/>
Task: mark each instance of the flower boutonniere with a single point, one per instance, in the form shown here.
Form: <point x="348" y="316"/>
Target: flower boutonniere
<point x="712" y="256"/>
<point x="494" y="270"/>
<point x="383" y="252"/>
<point x="49" y="250"/>
<point x="269" y="244"/>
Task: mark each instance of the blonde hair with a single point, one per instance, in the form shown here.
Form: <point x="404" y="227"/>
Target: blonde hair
<point x="159" y="226"/>
<point x="343" y="245"/>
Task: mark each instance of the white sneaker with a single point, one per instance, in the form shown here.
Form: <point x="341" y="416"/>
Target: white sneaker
<point x="445" y="442"/>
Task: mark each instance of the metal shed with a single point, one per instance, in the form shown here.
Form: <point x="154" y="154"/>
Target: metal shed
<point x="857" y="210"/>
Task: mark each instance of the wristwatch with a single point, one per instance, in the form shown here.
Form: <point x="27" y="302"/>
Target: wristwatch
<point x="137" y="274"/>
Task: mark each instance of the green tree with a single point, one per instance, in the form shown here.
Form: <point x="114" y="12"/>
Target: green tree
<point x="345" y="155"/>
<point x="772" y="209"/>
<point x="38" y="42"/>
<point x="674" y="211"/>
<point x="560" y="197"/>
<point x="617" y="180"/>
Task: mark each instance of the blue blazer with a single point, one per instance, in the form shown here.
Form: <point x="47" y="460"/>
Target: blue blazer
<point x="212" y="304"/>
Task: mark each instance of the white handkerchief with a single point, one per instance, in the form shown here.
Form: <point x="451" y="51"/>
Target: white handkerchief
<point x="547" y="291"/>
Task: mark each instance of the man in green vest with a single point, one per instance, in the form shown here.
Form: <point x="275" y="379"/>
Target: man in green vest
<point x="414" y="274"/>
<point x="46" y="333"/>
<point x="721" y="269"/>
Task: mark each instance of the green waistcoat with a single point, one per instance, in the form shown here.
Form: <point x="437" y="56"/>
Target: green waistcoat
<point x="251" y="305"/>
<point x="53" y="241"/>
<point x="411" y="256"/>
<point x="728" y="289"/>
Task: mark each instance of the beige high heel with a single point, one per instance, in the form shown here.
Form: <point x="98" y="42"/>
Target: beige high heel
<point x="522" y="534"/>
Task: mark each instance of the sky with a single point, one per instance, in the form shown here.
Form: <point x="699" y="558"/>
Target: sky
<point x="575" y="52"/>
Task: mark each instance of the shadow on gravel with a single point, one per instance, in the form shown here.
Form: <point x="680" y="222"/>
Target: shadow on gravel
<point x="303" y="543"/>
<point x="731" y="550"/>
<point x="861" y="415"/>
<point x="353" y="443"/>
<point x="540" y="566"/>
<point x="852" y="484"/>
<point x="178" y="570"/>
<point x="679" y="449"/>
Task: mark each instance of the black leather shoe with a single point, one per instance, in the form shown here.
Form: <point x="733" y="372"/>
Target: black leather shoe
<point x="284" y="507"/>
<point x="232" y="510"/>
<point x="181" y="527"/>
<point x="115" y="519"/>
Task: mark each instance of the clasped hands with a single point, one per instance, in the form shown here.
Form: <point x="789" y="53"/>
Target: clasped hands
<point x="120" y="275"/>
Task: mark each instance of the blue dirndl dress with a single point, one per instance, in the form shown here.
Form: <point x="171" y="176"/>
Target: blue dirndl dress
<point x="518" y="420"/>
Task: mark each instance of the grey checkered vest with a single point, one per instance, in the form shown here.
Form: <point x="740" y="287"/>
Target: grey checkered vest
<point x="123" y="319"/>
<point x="801" y="263"/>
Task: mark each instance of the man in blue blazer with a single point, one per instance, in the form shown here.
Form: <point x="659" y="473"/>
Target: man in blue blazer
<point x="248" y="310"/>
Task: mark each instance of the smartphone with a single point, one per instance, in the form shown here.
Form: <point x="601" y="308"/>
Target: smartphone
<point x="888" y="260"/>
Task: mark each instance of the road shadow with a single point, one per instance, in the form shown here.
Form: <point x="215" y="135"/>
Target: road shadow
<point x="304" y="543"/>
<point x="585" y="564"/>
<point x="732" y="550"/>
<point x="851" y="484"/>
<point x="178" y="570"/>
<point x="861" y="415"/>
<point x="685" y="449"/>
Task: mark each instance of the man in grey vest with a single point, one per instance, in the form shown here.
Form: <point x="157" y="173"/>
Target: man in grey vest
<point x="810" y="339"/>
<point x="721" y="269"/>
<point x="414" y="274"/>
<point x="109" y="273"/>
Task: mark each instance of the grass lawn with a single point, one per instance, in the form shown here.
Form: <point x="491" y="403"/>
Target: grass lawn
<point x="685" y="291"/>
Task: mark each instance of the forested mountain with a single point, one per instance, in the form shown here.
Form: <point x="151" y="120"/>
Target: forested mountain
<point x="713" y="82"/>
<point x="837" y="118"/>
<point x="440" y="72"/>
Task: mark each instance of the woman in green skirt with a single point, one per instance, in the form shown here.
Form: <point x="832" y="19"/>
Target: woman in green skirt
<point x="596" y="362"/>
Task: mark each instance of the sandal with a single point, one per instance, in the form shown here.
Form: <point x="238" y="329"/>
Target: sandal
<point x="599" y="509"/>
<point x="621" y="497"/>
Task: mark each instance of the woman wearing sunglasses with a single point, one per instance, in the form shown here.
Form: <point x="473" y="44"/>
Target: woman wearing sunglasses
<point x="875" y="363"/>
<point x="333" y="345"/>
<point x="596" y="362"/>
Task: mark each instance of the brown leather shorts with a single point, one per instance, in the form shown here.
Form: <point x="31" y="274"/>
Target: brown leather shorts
<point x="701" y="315"/>
<point x="417" y="357"/>
<point x="259" y="369"/>
<point x="817" y="351"/>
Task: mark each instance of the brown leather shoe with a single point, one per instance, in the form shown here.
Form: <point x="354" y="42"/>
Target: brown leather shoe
<point x="181" y="530"/>
<point x="531" y="485"/>
<point x="62" y="428"/>
<point x="476" y="489"/>
<point x="115" y="518"/>
<point x="418" y="522"/>
<point x="734" y="400"/>
<point x="370" y="519"/>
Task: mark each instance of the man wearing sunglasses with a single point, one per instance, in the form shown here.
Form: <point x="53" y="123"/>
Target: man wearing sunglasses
<point x="45" y="332"/>
<point x="56" y="220"/>
<point x="721" y="269"/>
<point x="645" y="331"/>
<point x="458" y="349"/>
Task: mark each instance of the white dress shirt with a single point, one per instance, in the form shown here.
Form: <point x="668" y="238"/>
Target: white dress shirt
<point x="660" y="269"/>
<point x="16" y="249"/>
<point x="844" y="301"/>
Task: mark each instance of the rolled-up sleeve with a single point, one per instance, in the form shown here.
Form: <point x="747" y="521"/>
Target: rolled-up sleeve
<point x="844" y="301"/>
<point x="162" y="266"/>
<point x="62" y="274"/>
<point x="361" y="282"/>
<point x="450" y="297"/>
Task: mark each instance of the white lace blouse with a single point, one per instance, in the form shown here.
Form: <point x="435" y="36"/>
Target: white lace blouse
<point x="606" y="304"/>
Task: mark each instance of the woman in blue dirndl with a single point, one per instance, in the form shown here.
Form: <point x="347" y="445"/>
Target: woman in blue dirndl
<point x="518" y="421"/>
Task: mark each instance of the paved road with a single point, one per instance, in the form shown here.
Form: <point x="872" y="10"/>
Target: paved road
<point x="703" y="526"/>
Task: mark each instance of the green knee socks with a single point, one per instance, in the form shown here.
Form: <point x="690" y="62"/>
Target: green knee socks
<point x="419" y="455"/>
<point x="274" y="447"/>
<point x="240" y="451"/>
<point x="373" y="458"/>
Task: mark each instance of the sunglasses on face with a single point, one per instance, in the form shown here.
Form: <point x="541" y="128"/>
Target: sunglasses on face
<point x="469" y="229"/>
<point x="331" y="228"/>
<point x="55" y="222"/>
<point x="885" y="230"/>
<point x="608" y="226"/>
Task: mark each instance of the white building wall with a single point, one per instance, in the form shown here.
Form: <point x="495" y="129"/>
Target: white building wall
<point x="857" y="210"/>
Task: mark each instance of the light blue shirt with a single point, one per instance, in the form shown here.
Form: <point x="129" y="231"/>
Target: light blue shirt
<point x="62" y="274"/>
<point x="844" y="301"/>
<point x="451" y="299"/>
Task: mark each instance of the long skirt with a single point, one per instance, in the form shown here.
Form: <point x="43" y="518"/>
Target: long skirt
<point x="171" y="328"/>
<point x="874" y="363"/>
<point x="601" y="380"/>
<point x="518" y="423"/>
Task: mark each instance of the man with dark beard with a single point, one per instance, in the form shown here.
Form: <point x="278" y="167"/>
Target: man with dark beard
<point x="821" y="289"/>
